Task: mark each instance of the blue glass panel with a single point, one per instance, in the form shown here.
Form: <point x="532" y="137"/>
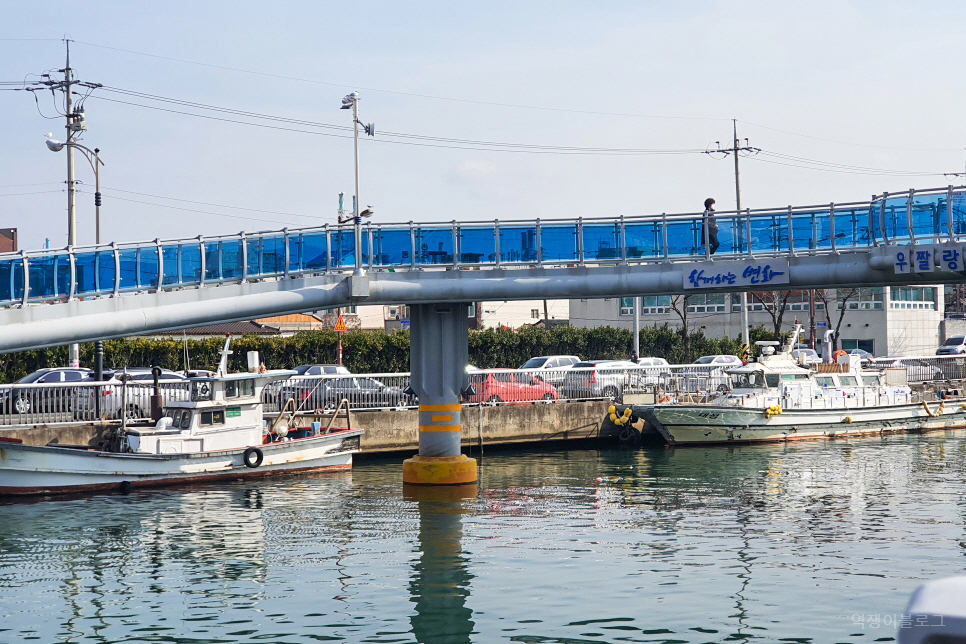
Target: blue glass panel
<point x="63" y="275"/>
<point x="231" y="260"/>
<point x="823" y="236"/>
<point x="343" y="249"/>
<point x="85" y="273"/>
<point x="518" y="243"/>
<point x="643" y="240"/>
<point x="129" y="272"/>
<point x="266" y="255"/>
<point x="602" y="241"/>
<point x="105" y="270"/>
<point x="852" y="227"/>
<point x="6" y="280"/>
<point x="558" y="243"/>
<point x="684" y="238"/>
<point x="895" y="219"/>
<point x="477" y="245"/>
<point x="212" y="261"/>
<point x="170" y="254"/>
<point x="730" y="234"/>
<point x="959" y="214"/>
<point x="805" y="228"/>
<point x="392" y="247"/>
<point x="769" y="232"/>
<point x="313" y="251"/>
<point x="148" y="267"/>
<point x="294" y="253"/>
<point x="434" y="245"/>
<point x="190" y="264"/>
<point x="43" y="279"/>
<point x="929" y="216"/>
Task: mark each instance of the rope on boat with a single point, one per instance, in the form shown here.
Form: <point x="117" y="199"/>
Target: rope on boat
<point x="942" y="408"/>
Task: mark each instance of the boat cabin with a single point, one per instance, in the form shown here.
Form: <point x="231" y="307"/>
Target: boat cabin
<point x="219" y="413"/>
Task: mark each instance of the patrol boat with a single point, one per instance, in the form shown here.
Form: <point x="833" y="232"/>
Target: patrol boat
<point x="218" y="433"/>
<point x="777" y="399"/>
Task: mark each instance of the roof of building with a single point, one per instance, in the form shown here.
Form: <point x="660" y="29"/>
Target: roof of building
<point x="289" y="319"/>
<point x="224" y="328"/>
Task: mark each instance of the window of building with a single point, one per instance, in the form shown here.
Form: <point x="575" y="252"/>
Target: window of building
<point x="865" y="345"/>
<point x="535" y="314"/>
<point x="797" y="301"/>
<point x="655" y="304"/>
<point x="867" y="299"/>
<point x="912" y="297"/>
<point x="627" y="306"/>
<point x="707" y="303"/>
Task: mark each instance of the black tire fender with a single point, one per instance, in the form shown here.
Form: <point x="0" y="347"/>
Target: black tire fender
<point x="253" y="457"/>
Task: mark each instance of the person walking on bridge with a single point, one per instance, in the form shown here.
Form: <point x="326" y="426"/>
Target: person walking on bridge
<point x="709" y="227"/>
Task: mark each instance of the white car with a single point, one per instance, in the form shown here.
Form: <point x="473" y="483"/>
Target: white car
<point x="551" y="369"/>
<point x="806" y="357"/>
<point x="710" y="372"/>
<point x="107" y="401"/>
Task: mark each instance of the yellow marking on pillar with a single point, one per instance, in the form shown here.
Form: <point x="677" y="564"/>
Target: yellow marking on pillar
<point x="439" y="470"/>
<point x="439" y="428"/>
<point x="440" y="407"/>
<point x="443" y="418"/>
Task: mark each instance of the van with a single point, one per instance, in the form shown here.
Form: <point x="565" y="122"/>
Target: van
<point x="952" y="346"/>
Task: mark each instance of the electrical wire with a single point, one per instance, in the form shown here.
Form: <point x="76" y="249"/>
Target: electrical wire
<point x="861" y="145"/>
<point x="40" y="192"/>
<point x="398" y="93"/>
<point x="206" y="203"/>
<point x="827" y="166"/>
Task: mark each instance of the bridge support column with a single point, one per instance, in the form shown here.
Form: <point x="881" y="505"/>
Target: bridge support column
<point x="438" y="356"/>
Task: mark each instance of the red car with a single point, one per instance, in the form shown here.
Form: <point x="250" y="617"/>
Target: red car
<point x="492" y="385"/>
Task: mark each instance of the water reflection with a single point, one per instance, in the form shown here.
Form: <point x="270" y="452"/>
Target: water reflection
<point x="440" y="584"/>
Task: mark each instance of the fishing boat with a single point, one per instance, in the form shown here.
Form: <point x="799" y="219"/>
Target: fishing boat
<point x="778" y="399"/>
<point x="217" y="433"/>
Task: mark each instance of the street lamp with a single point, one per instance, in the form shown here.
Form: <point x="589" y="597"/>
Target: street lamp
<point x="93" y="157"/>
<point x="351" y="101"/>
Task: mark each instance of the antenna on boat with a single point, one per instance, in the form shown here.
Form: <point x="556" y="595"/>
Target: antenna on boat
<point x="223" y="363"/>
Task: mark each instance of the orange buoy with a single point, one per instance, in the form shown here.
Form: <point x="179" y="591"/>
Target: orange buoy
<point x="835" y="356"/>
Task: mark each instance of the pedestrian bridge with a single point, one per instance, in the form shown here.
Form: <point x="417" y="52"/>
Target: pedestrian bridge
<point x="78" y="294"/>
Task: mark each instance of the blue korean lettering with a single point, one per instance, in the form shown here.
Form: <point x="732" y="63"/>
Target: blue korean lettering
<point x="901" y="262"/>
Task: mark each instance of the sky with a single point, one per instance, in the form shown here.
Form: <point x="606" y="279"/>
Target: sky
<point x="869" y="94"/>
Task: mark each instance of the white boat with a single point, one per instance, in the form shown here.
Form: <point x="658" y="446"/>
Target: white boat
<point x="776" y="399"/>
<point x="218" y="434"/>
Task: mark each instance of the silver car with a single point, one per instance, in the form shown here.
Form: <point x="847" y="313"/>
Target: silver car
<point x="600" y="379"/>
<point x="105" y="401"/>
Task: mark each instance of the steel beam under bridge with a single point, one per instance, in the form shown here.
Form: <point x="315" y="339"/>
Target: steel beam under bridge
<point x="55" y="323"/>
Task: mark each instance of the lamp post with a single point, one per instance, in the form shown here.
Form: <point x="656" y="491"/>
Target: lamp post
<point x="94" y="158"/>
<point x="351" y="101"/>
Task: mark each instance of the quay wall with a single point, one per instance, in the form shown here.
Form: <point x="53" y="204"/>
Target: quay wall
<point x="398" y="430"/>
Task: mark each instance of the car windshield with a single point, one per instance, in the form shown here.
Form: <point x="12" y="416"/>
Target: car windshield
<point x="952" y="342"/>
<point x="34" y="377"/>
<point x="300" y="370"/>
<point x="534" y="363"/>
<point x="704" y="360"/>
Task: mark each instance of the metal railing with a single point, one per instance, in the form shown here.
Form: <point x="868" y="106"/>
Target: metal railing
<point x="916" y="216"/>
<point x="85" y="401"/>
<point x="922" y="369"/>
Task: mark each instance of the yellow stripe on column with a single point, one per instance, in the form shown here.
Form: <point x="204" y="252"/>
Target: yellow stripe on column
<point x="443" y="418"/>
<point x="440" y="407"/>
<point x="439" y="428"/>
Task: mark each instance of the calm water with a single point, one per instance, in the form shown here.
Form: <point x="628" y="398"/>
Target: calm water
<point x="766" y="543"/>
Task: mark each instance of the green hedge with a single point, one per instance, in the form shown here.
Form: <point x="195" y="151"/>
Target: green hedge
<point x="379" y="352"/>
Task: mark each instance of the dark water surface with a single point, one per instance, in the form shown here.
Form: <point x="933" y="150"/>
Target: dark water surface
<point x="769" y="543"/>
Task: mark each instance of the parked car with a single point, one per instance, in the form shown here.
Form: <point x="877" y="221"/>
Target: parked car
<point x="601" y="379"/>
<point x="806" y="357"/>
<point x="917" y="369"/>
<point x="952" y="346"/>
<point x="865" y="357"/>
<point x="136" y="395"/>
<point x="720" y="360"/>
<point x="709" y="373"/>
<point x="326" y="393"/>
<point x="550" y="368"/>
<point x="24" y="400"/>
<point x="493" y="385"/>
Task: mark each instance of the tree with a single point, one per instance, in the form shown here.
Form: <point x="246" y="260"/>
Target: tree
<point x="775" y="303"/>
<point x="679" y="304"/>
<point x="839" y="299"/>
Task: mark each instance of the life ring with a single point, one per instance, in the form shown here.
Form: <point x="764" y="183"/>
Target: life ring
<point x="249" y="453"/>
<point x="835" y="356"/>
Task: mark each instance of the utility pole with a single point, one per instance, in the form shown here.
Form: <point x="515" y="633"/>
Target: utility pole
<point x="735" y="149"/>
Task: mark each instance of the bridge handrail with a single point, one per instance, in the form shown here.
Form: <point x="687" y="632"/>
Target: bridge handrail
<point x="55" y="275"/>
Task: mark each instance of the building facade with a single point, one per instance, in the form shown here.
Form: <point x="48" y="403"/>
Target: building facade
<point x="885" y="321"/>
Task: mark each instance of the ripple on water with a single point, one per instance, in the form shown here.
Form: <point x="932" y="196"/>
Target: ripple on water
<point x="769" y="543"/>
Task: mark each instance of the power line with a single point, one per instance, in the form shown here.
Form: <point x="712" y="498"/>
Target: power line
<point x="399" y="93"/>
<point x="206" y="203"/>
<point x="40" y="192"/>
<point x="861" y="145"/>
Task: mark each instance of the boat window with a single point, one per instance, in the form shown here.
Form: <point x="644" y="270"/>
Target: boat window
<point x="185" y="419"/>
<point x="746" y="380"/>
<point x="794" y="376"/>
<point x="824" y="381"/>
<point x="870" y="381"/>
<point x="216" y="417"/>
<point x="200" y="390"/>
<point x="848" y="381"/>
<point x="772" y="379"/>
<point x="239" y="388"/>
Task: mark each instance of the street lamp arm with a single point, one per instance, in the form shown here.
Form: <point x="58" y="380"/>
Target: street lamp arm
<point x="89" y="154"/>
